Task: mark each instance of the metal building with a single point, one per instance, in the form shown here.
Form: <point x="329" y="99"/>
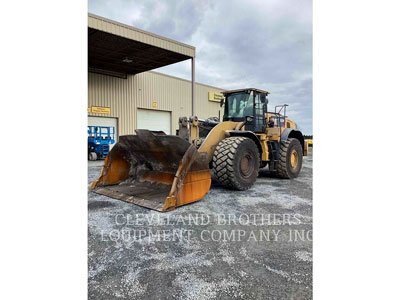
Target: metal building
<point x="123" y="91"/>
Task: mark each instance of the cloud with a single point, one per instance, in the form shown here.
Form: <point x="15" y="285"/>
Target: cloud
<point x="263" y="44"/>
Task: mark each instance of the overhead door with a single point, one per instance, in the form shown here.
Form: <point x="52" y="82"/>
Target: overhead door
<point x="102" y="121"/>
<point x="154" y="120"/>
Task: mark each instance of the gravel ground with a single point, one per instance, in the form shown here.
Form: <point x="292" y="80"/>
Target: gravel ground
<point x="264" y="253"/>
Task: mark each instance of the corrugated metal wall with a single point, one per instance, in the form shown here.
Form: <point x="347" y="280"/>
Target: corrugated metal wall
<point x="124" y="96"/>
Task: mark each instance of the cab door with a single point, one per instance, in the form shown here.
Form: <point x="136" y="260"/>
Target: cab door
<point x="259" y="117"/>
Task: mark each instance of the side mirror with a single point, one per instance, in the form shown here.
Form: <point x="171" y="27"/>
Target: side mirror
<point x="221" y="103"/>
<point x="249" y="119"/>
<point x="263" y="98"/>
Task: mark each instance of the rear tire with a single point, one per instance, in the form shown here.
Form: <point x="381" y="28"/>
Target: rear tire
<point x="290" y="159"/>
<point x="236" y="162"/>
<point x="92" y="156"/>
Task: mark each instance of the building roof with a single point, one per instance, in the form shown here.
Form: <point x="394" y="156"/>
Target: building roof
<point x="186" y="80"/>
<point x="118" y="49"/>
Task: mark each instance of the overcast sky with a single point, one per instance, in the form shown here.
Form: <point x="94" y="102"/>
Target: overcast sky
<point x="264" y="44"/>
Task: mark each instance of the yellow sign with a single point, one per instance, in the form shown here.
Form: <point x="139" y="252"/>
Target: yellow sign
<point x="88" y="109"/>
<point x="101" y="110"/>
<point x="154" y="104"/>
<point x="215" y="97"/>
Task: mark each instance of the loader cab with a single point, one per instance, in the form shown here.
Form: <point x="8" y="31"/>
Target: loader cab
<point x="247" y="105"/>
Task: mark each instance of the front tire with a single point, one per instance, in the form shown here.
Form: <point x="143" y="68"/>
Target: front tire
<point x="236" y="163"/>
<point x="290" y="159"/>
<point x="92" y="156"/>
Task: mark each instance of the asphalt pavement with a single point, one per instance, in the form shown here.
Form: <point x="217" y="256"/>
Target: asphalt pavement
<point x="255" y="244"/>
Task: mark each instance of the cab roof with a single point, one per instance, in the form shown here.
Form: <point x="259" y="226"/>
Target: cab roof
<point x="245" y="90"/>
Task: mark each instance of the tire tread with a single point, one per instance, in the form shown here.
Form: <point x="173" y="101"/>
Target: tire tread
<point x="282" y="167"/>
<point x="223" y="162"/>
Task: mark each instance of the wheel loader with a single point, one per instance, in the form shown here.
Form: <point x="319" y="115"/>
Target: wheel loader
<point x="162" y="172"/>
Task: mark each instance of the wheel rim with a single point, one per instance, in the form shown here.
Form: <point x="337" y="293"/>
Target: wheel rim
<point x="294" y="159"/>
<point x="246" y="165"/>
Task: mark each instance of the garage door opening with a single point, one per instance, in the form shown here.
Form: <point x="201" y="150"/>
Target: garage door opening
<point x="156" y="120"/>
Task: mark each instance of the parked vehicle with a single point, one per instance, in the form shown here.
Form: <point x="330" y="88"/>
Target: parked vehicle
<point x="99" y="140"/>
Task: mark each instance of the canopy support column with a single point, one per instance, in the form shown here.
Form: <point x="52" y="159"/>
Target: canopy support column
<point x="193" y="84"/>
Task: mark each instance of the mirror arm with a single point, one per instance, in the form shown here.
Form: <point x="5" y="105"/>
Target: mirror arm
<point x="241" y="126"/>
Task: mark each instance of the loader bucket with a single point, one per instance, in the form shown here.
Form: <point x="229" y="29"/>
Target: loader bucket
<point x="154" y="170"/>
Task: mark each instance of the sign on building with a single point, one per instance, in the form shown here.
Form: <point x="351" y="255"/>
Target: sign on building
<point x="101" y="110"/>
<point x="215" y="96"/>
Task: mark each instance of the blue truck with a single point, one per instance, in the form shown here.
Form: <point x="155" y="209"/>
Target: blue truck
<point x="99" y="140"/>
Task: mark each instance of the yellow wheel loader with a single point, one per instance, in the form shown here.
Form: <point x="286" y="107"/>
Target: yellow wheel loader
<point x="162" y="172"/>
